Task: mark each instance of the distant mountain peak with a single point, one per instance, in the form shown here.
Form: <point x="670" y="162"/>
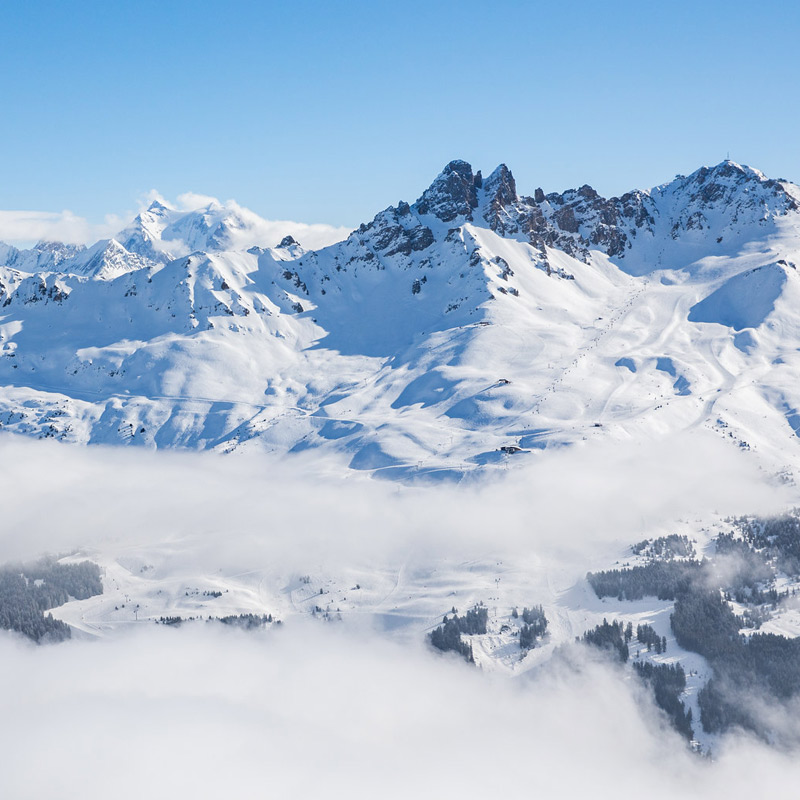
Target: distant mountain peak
<point x="726" y="173"/>
<point x="729" y="167"/>
<point x="158" y="207"/>
<point x="714" y="205"/>
<point x="723" y="200"/>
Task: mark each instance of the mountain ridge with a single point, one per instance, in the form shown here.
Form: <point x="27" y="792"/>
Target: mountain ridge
<point x="436" y="339"/>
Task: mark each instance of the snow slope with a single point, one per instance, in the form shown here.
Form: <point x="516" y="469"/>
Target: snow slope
<point x="459" y="333"/>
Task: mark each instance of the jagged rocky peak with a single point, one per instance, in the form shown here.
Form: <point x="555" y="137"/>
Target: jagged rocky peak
<point x="106" y="259"/>
<point x="720" y="202"/>
<point x="500" y="187"/>
<point x="288" y="241"/>
<point x="395" y="231"/>
<point x="595" y="221"/>
<point x="728" y="172"/>
<point x="152" y="219"/>
<point x="501" y="207"/>
<point x="454" y="193"/>
<point x="729" y="183"/>
<point x="146" y="230"/>
<point x="46" y="246"/>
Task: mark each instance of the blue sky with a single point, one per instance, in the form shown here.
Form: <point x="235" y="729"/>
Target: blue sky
<point x="329" y="112"/>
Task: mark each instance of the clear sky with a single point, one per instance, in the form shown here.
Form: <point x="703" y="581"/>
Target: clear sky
<point x="330" y="111"/>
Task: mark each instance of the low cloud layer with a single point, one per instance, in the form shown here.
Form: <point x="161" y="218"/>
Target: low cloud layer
<point x="316" y="711"/>
<point x="576" y="504"/>
<point x="339" y="710"/>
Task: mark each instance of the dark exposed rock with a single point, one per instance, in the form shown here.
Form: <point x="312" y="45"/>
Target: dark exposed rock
<point x="287" y="241"/>
<point x="606" y="224"/>
<point x="39" y="289"/>
<point x="565" y="219"/>
<point x="295" y="278"/>
<point x="452" y="194"/>
<point x="501" y="186"/>
<point x="501" y="193"/>
<point x="408" y="241"/>
<point x="416" y="286"/>
<point x="632" y="206"/>
<point x="575" y="222"/>
<point x="736" y="190"/>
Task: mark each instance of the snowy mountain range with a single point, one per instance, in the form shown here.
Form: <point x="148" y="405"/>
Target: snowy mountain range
<point x="458" y="333"/>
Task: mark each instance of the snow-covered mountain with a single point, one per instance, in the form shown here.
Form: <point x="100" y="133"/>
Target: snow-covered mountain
<point x="462" y="331"/>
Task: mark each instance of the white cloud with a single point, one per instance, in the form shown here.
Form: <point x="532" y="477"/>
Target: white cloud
<point x="190" y="201"/>
<point x="25" y="228"/>
<point x="312" y="236"/>
<point x="579" y="502"/>
<point x="266" y="232"/>
<point x="318" y="711"/>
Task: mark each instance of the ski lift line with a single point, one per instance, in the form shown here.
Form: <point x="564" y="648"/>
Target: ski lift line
<point x="614" y="319"/>
<point x="260" y="407"/>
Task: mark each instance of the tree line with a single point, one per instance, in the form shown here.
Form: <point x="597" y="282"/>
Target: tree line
<point x="447" y="637"/>
<point x="27" y="591"/>
<point x="534" y="626"/>
<point x="661" y="579"/>
<point x="665" y="547"/>
<point x="666" y="681"/>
